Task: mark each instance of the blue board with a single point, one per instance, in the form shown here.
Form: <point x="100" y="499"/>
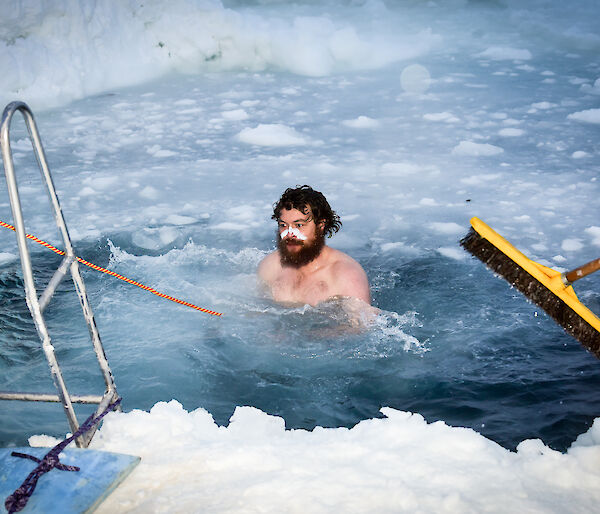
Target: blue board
<point x="65" y="491"/>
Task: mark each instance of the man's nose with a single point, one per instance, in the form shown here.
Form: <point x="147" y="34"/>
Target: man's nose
<point x="292" y="233"/>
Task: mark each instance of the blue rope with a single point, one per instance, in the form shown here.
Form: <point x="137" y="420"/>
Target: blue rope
<point x="17" y="500"/>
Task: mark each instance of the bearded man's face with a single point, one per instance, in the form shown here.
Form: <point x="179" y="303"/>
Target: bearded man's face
<point x="300" y="238"/>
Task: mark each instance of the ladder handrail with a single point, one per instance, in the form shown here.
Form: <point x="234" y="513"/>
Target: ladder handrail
<point x="37" y="305"/>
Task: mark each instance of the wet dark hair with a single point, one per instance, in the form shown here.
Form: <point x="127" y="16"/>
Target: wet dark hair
<point x="302" y="197"/>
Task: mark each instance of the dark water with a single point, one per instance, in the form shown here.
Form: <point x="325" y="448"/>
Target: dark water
<point x="453" y="343"/>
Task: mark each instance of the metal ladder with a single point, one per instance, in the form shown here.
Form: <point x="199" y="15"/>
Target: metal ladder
<point x="36" y="304"/>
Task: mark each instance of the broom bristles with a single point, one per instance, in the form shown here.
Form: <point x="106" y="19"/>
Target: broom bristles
<point x="535" y="291"/>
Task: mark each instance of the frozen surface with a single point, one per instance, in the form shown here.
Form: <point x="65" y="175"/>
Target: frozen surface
<point x="171" y="132"/>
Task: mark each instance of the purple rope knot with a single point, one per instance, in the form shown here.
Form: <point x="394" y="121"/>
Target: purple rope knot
<point x="48" y="462"/>
<point x="17" y="500"/>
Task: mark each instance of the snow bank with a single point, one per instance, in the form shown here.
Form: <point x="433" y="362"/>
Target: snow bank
<point x="399" y="463"/>
<point x="60" y="50"/>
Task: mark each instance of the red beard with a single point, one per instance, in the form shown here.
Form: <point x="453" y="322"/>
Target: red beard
<point x="305" y="254"/>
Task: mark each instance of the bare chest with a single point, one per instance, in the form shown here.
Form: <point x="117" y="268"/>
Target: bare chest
<point x="296" y="287"/>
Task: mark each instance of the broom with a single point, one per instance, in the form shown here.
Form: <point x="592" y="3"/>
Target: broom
<point x="544" y="286"/>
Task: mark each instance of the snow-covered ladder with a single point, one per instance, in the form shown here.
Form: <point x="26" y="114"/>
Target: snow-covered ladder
<point x="69" y="264"/>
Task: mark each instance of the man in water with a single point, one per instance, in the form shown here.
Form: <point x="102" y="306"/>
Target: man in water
<point x="303" y="269"/>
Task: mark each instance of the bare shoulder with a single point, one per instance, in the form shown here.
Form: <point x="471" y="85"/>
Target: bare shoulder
<point x="349" y="276"/>
<point x="269" y="266"/>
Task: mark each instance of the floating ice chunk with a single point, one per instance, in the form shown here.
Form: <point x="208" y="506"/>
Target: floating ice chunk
<point x="87" y="191"/>
<point x="325" y="167"/>
<point x="399" y="168"/>
<point x="185" y="101"/>
<point x="78" y="120"/>
<point x="543" y="105"/>
<point x="452" y="252"/>
<point x="511" y="132"/>
<point x="505" y="53"/>
<point x="149" y="192"/>
<point x="177" y="219"/>
<point x="361" y="122"/>
<point x="154" y="239"/>
<point x="449" y="228"/>
<point x="594" y="233"/>
<point x="235" y="115"/>
<point x="594" y="90"/>
<point x="165" y="153"/>
<point x="476" y="149"/>
<point x="526" y="67"/>
<point x="272" y="135"/>
<point x="446" y="117"/>
<point x="399" y="247"/>
<point x="474" y="180"/>
<point x="157" y="151"/>
<point x="525" y="218"/>
<point x="22" y="145"/>
<point x="232" y="226"/>
<point x="579" y="154"/>
<point x="167" y="235"/>
<point x="139" y="238"/>
<point x="239" y="219"/>
<point x="571" y="245"/>
<point x="99" y="182"/>
<point x="587" y="116"/>
<point x="191" y="110"/>
<point x="6" y="257"/>
<point x="428" y="202"/>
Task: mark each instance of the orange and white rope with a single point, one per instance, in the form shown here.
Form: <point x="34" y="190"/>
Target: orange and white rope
<point x="116" y="275"/>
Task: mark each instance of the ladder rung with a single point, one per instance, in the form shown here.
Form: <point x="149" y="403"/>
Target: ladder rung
<point x="56" y="279"/>
<point x="43" y="397"/>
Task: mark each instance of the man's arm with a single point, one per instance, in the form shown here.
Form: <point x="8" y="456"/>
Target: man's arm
<point x="351" y="280"/>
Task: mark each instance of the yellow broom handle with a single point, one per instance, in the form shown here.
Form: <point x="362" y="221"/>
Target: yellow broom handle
<point x="582" y="271"/>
